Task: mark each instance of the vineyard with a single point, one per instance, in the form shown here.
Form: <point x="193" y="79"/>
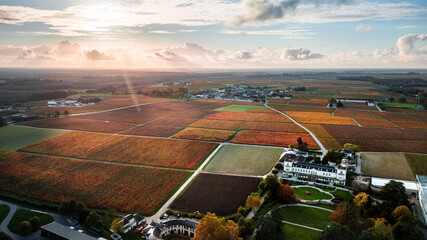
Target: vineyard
<point x="273" y="127"/>
<point x="99" y="185"/>
<point x="247" y="116"/>
<point x="319" y="118"/>
<point x="125" y="149"/>
<point x="366" y="119"/>
<point x="217" y="124"/>
<point x="273" y="139"/>
<point x="205" y="134"/>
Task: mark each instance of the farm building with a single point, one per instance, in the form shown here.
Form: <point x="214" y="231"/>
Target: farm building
<point x="294" y="165"/>
<point x="176" y="227"/>
<point x="131" y="221"/>
<point x="54" y="231"/>
<point x="422" y="194"/>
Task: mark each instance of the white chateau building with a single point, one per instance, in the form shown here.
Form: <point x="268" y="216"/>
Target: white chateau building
<point x="294" y="165"/>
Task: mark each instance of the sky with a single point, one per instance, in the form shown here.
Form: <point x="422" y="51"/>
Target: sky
<point x="213" y="34"/>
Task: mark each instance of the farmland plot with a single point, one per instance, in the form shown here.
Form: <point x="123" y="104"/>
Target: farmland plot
<point x="247" y="116"/>
<point x="386" y="165"/>
<point x="217" y="124"/>
<point x="205" y="134"/>
<point x="273" y="139"/>
<point x="273" y="127"/>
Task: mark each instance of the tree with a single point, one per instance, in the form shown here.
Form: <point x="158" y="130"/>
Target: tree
<point x="402" y="100"/>
<point x="66" y="112"/>
<point x="271" y="183"/>
<point x="364" y="235"/>
<point x="2" y="122"/>
<point x="332" y="101"/>
<point x="211" y="227"/>
<point x="352" y="147"/>
<point x="381" y="230"/>
<point x="402" y="213"/>
<point x="344" y="214"/>
<point x="81" y="211"/>
<point x="246" y="227"/>
<point x="291" y="146"/>
<point x="57" y="113"/>
<point x="117" y="225"/>
<point x="279" y="166"/>
<point x="25" y="227"/>
<point x="361" y="199"/>
<point x="333" y="156"/>
<point x="394" y="192"/>
<point x="4" y="236"/>
<point x="286" y="193"/>
<point x="35" y="223"/>
<point x="267" y="228"/>
<point x="253" y="201"/>
<point x="302" y="146"/>
<point x="340" y="105"/>
<point x="392" y="99"/>
<point x="94" y="220"/>
<point x="336" y="231"/>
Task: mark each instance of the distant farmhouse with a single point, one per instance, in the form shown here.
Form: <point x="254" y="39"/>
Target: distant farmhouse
<point x="295" y="166"/>
<point x="176" y="227"/>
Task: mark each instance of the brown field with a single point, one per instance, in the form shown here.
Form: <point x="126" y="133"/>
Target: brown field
<point x="359" y="106"/>
<point x="99" y="185"/>
<point x="273" y="138"/>
<point x="404" y="110"/>
<point x="223" y="196"/>
<point x="80" y="124"/>
<point x="293" y="108"/>
<point x="318" y="130"/>
<point x="311" y="102"/>
<point x="125" y="149"/>
<point x="172" y="122"/>
<point x="420" y="116"/>
<point x="246" y="116"/>
<point x="194" y="114"/>
<point x="229" y="102"/>
<point x="107" y="103"/>
<point x="205" y="134"/>
<point x="278" y="100"/>
<point x="319" y="118"/>
<point x="350" y="132"/>
<point x="153" y="130"/>
<point x="114" y="117"/>
<point x="273" y="127"/>
<point x="261" y="111"/>
<point x="217" y="124"/>
<point x="364" y="118"/>
<point x="382" y="164"/>
<point x="367" y="93"/>
<point x="330" y="143"/>
<point x="404" y="120"/>
<point x="378" y="145"/>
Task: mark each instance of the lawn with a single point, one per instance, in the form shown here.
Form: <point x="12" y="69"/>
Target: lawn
<point x="25" y="215"/>
<point x="400" y="105"/>
<point x="314" y="193"/>
<point x="308" y="216"/>
<point x="417" y="163"/>
<point x="4" y="210"/>
<point x="239" y="108"/>
<point x="13" y="138"/>
<point x="244" y="160"/>
<point x="386" y="165"/>
<point x="291" y="232"/>
<point x="345" y="195"/>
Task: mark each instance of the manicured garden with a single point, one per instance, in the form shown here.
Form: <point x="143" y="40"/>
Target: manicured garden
<point x="244" y="160"/>
<point x="309" y="193"/>
<point x="15" y="137"/>
<point x="21" y="216"/>
<point x="308" y="216"/>
<point x="292" y="232"/>
<point x="4" y="210"/>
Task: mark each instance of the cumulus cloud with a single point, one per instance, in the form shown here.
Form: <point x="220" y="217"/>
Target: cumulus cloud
<point x="299" y="54"/>
<point x="67" y="48"/>
<point x="169" y="55"/>
<point x="364" y="29"/>
<point x="162" y="32"/>
<point x="243" y="55"/>
<point x="406" y="44"/>
<point x="95" y="55"/>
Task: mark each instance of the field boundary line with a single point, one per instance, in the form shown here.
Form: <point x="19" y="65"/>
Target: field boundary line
<point x="322" y="148"/>
<point x="387" y="120"/>
<point x="358" y="124"/>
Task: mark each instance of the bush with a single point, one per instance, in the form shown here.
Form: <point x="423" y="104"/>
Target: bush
<point x="169" y="212"/>
<point x="176" y="213"/>
<point x="25" y="227"/>
<point x="35" y="223"/>
<point x="279" y="166"/>
<point x="275" y="171"/>
<point x="184" y="214"/>
<point x="191" y="215"/>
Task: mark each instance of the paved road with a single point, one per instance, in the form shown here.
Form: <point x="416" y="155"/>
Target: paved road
<point x="322" y="148"/>
<point x="159" y="213"/>
<point x="36" y="235"/>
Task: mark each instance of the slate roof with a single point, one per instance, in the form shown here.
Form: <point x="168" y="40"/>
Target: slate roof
<point x="66" y="232"/>
<point x="185" y="222"/>
<point x="325" y="168"/>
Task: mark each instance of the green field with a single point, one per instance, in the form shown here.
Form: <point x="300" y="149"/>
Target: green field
<point x="314" y="193"/>
<point x="25" y="215"/>
<point x="159" y="86"/>
<point x="244" y="160"/>
<point x="386" y="165"/>
<point x="291" y="232"/>
<point x="308" y="216"/>
<point x="400" y="105"/>
<point x="345" y="195"/>
<point x="13" y="138"/>
<point x="417" y="163"/>
<point x="239" y="108"/>
<point x="4" y="210"/>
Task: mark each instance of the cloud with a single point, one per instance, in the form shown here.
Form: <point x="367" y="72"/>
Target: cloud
<point x="66" y="48"/>
<point x="162" y="32"/>
<point x="243" y="55"/>
<point x="299" y="54"/>
<point x="95" y="55"/>
<point x="291" y="33"/>
<point x="406" y="45"/>
<point x="169" y="55"/>
<point x="364" y="29"/>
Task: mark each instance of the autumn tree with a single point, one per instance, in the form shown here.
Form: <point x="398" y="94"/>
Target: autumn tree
<point x="246" y="227"/>
<point x="361" y="199"/>
<point x="352" y="147"/>
<point x="117" y="225"/>
<point x="253" y="201"/>
<point x="395" y="193"/>
<point x="406" y="227"/>
<point x="402" y="213"/>
<point x="211" y="227"/>
<point x="271" y="183"/>
<point x="286" y="193"/>
<point x="344" y="214"/>
<point x="335" y="231"/>
<point x="94" y="220"/>
<point x="381" y="230"/>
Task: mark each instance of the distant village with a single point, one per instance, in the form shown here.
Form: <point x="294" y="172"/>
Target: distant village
<point x="243" y="92"/>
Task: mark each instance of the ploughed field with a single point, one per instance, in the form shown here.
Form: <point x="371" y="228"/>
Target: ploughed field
<point x="99" y="185"/>
<point x="219" y="194"/>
